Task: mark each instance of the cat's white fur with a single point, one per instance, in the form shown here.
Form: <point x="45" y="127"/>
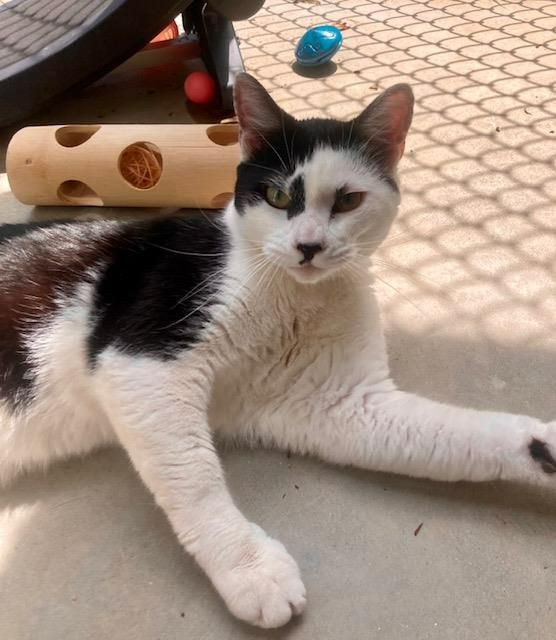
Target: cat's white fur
<point x="298" y="366"/>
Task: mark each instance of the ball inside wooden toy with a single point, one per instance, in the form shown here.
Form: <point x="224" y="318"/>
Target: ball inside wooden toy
<point x="140" y="164"/>
<point x="199" y="87"/>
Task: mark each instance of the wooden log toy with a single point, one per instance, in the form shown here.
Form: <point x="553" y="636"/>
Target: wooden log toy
<point x="124" y="165"/>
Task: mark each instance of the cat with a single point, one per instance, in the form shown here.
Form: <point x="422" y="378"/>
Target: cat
<point x="257" y="325"/>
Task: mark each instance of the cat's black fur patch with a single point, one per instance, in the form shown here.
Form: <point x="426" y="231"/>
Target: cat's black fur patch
<point x="9" y="231"/>
<point x="36" y="269"/>
<point x="151" y="297"/>
<point x="286" y="148"/>
<point x="540" y="453"/>
<point x="297" y="197"/>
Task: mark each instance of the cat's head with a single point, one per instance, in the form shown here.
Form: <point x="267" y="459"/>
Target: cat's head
<point x="314" y="196"/>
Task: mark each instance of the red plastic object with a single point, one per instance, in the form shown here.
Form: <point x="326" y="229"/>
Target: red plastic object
<point x="199" y="87"/>
<point x="168" y="33"/>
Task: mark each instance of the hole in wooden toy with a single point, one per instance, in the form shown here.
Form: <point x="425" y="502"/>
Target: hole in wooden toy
<point x="141" y="165"/>
<point x="77" y="192"/>
<point x="74" y="135"/>
<point x="221" y="200"/>
<point x="223" y="134"/>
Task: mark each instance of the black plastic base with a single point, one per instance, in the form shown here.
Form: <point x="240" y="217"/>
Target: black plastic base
<point x="219" y="48"/>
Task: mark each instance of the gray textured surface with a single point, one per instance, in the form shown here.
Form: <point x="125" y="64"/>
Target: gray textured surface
<point x="88" y="556"/>
<point x="84" y="554"/>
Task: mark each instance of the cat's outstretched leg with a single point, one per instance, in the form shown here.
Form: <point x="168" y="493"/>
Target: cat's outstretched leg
<point x="381" y="428"/>
<point x="158" y="410"/>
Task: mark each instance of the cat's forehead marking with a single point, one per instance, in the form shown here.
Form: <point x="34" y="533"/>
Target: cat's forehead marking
<point x="297" y="195"/>
<point x="327" y="170"/>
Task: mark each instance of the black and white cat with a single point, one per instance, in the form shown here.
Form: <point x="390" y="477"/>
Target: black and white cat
<point x="257" y="326"/>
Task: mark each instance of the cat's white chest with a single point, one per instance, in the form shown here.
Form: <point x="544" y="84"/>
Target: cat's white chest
<point x="259" y="378"/>
<point x="297" y="359"/>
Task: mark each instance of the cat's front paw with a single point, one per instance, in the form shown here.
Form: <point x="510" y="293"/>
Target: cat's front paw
<point x="263" y="586"/>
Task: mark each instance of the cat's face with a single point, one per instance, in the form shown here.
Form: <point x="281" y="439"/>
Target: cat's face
<point x="313" y="196"/>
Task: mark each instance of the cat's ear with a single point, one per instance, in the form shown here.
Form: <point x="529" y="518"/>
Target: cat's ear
<point x="385" y="122"/>
<point x="257" y="113"/>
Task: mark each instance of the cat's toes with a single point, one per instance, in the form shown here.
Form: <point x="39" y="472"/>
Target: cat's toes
<point x="265" y="588"/>
<point x="543" y="455"/>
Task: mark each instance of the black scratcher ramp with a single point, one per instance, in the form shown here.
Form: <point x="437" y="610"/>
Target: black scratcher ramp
<point x="49" y="46"/>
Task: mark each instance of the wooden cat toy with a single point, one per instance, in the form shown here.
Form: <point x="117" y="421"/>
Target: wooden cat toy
<point x="124" y="165"/>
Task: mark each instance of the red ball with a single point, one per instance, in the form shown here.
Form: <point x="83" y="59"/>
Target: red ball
<point x="199" y="87"/>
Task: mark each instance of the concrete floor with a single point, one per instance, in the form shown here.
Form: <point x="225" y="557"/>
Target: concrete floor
<point x="470" y="311"/>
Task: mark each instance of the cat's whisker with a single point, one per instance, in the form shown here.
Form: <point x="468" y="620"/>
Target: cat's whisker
<point x="258" y="131"/>
<point x="194" y="311"/>
<point x="258" y="288"/>
<point x="261" y="166"/>
<point x="285" y="139"/>
<point x="199" y="254"/>
<point x="291" y="141"/>
<point x="204" y="284"/>
<point x="350" y="132"/>
<point x="199" y="307"/>
<point x="388" y="284"/>
<point x="208" y="218"/>
<point x="408" y="227"/>
<point x="189" y="253"/>
<point x="412" y="274"/>
<point x="273" y="276"/>
<point x="254" y="266"/>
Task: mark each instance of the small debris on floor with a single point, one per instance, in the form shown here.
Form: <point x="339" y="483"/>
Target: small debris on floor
<point x="416" y="532"/>
<point x="341" y="25"/>
<point x="498" y="129"/>
<point x="296" y="486"/>
<point x="527" y="112"/>
<point x="283" y="496"/>
<point x="182" y="614"/>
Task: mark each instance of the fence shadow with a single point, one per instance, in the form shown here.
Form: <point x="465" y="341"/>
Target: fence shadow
<point x="475" y="242"/>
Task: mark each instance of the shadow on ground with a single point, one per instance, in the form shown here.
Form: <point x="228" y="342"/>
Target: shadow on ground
<point x="88" y="541"/>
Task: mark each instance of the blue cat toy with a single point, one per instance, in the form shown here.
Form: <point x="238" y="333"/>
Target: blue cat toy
<point x="318" y="45"/>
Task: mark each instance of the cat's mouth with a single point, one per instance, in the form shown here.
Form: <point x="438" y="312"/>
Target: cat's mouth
<point x="307" y="272"/>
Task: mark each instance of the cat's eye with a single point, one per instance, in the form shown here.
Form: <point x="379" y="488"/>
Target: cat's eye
<point x="347" y="201"/>
<point x="277" y="198"/>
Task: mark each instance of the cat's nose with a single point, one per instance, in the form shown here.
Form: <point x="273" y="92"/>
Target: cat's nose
<point x="308" y="251"/>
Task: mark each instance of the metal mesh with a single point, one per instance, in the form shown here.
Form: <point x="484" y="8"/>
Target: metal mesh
<point x="31" y="27"/>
